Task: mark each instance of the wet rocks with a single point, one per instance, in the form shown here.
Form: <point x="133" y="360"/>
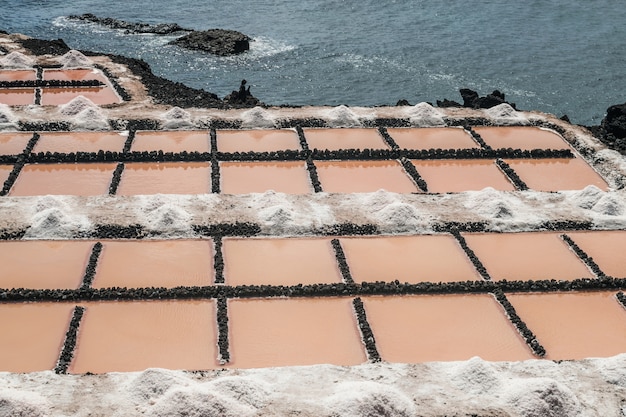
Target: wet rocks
<point x="613" y="128"/>
<point x="473" y="100"/>
<point x="131" y="27"/>
<point x="220" y="42"/>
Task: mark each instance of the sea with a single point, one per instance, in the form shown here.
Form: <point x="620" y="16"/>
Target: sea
<point x="559" y="56"/>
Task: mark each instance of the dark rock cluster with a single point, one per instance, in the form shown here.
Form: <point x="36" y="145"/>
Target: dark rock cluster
<point x="242" y="97"/>
<point x="366" y="331"/>
<point x="342" y="262"/>
<point x="70" y="342"/>
<point x="221" y="42"/>
<point x="473" y="100"/>
<point x="131" y="27"/>
<point x="613" y="128"/>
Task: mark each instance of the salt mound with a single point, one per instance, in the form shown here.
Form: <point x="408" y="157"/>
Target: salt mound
<point x="490" y="203"/>
<point x="164" y="213"/>
<point x="587" y="197"/>
<point x="505" y="114"/>
<point x="247" y="390"/>
<point x="198" y="401"/>
<point x="54" y="223"/>
<point x="153" y="383"/>
<point x="169" y="219"/>
<point x="370" y="399"/>
<point x="257" y="118"/>
<point x="22" y="404"/>
<point x="378" y="200"/>
<point x="76" y="105"/>
<point x="542" y="397"/>
<point x="176" y="118"/>
<point x="342" y="116"/>
<point x="403" y="217"/>
<point x="7" y="118"/>
<point x="17" y="60"/>
<point x="475" y="376"/>
<point x="423" y="114"/>
<point x="91" y="119"/>
<point x="612" y="369"/>
<point x="6" y="115"/>
<point x="277" y="216"/>
<point x="609" y="205"/>
<point x="75" y="59"/>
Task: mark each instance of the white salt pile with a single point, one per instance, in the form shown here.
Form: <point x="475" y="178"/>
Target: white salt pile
<point x="257" y="117"/>
<point x="425" y="115"/>
<point x="504" y="114"/>
<point x="176" y="118"/>
<point x="8" y="121"/>
<point x="17" y="60"/>
<point x="163" y="215"/>
<point x="84" y="114"/>
<point x="53" y="218"/>
<point x="75" y="59"/>
<point x="90" y="119"/>
<point x="342" y="116"/>
<point x="76" y="105"/>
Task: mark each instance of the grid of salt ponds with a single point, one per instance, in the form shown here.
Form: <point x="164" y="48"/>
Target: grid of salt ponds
<point x="50" y="95"/>
<point x="184" y="333"/>
<point x="247" y="161"/>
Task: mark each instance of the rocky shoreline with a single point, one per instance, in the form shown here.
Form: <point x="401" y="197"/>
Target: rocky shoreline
<point x="221" y="42"/>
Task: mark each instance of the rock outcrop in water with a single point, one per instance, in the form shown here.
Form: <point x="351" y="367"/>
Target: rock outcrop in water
<point x="220" y="42"/>
<point x="131" y="27"/>
<point x="216" y="41"/>
<point x="473" y="100"/>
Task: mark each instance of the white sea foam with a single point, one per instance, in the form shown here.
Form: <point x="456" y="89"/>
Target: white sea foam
<point x="263" y="47"/>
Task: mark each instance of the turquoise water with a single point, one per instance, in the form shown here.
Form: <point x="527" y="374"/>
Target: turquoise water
<point x="561" y="57"/>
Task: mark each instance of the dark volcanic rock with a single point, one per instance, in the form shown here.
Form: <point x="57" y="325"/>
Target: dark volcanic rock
<point x="612" y="130"/>
<point x="45" y="47"/>
<point x="615" y="121"/>
<point x="473" y="100"/>
<point x="131" y="27"/>
<point x="242" y="97"/>
<point x="448" y="103"/>
<point x="216" y="41"/>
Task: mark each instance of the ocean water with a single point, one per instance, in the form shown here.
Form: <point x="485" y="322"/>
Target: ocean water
<point x="560" y="56"/>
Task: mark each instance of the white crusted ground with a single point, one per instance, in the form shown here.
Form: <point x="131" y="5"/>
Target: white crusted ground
<point x="538" y="388"/>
